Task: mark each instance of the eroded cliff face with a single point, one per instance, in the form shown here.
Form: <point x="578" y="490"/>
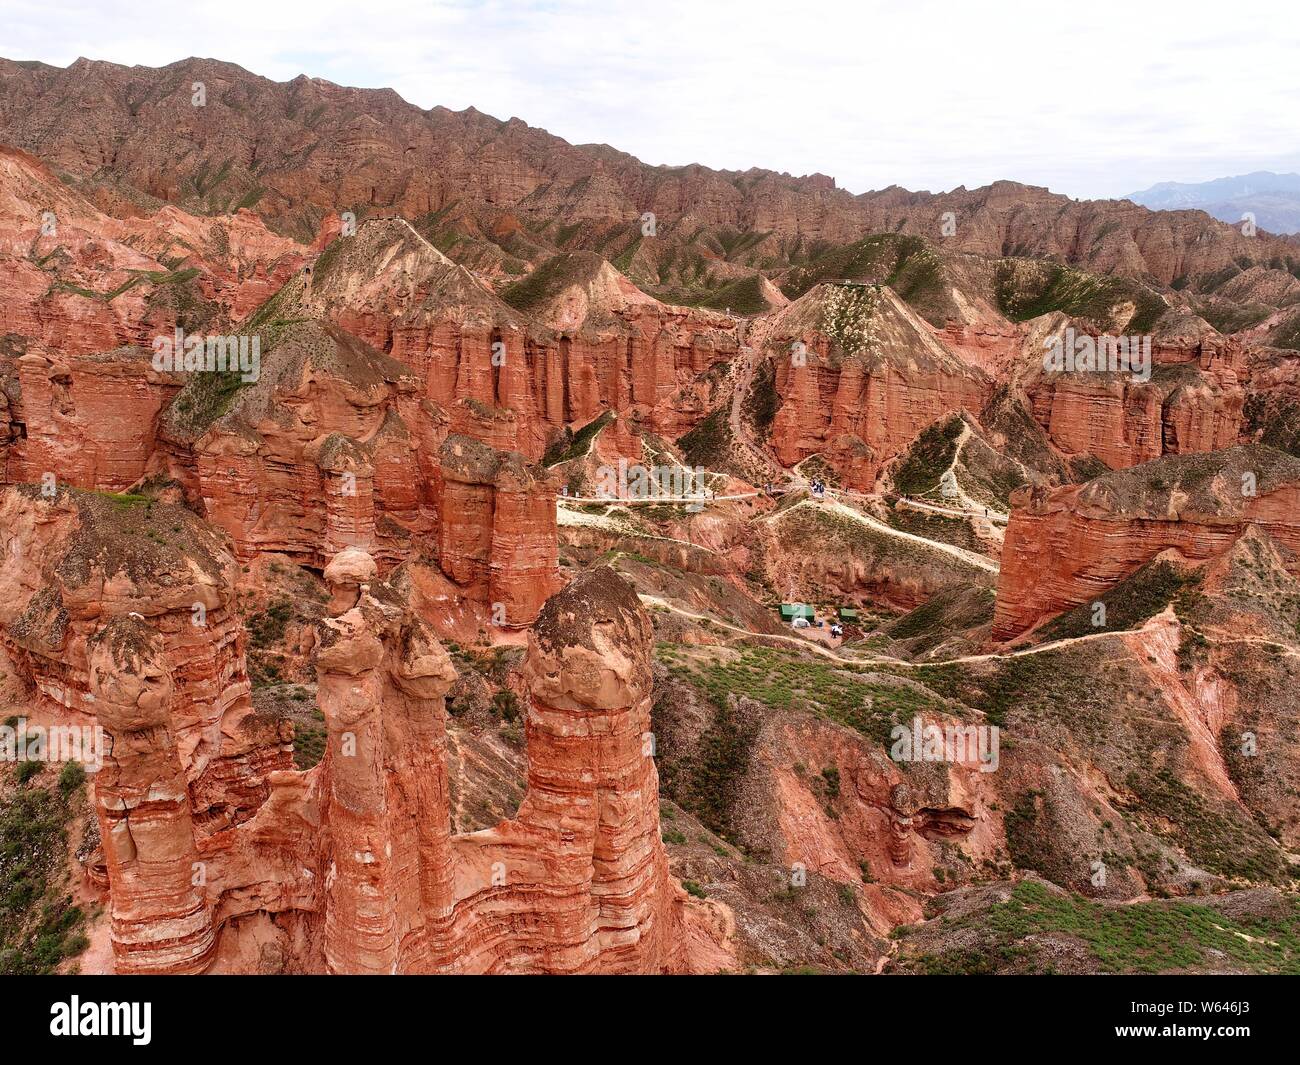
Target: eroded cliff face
<point x="77" y="560"/>
<point x="1069" y="545"/>
<point x="859" y="376"/>
<point x="334" y="447"/>
<point x="498" y="536"/>
<point x="1189" y="399"/>
<point x="87" y="296"/>
<point x="511" y="378"/>
<point x="328" y="448"/>
<point x="91" y="420"/>
<point x="621" y="350"/>
<point x="352" y="867"/>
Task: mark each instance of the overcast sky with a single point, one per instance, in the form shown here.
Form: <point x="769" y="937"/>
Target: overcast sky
<point x="1090" y="97"/>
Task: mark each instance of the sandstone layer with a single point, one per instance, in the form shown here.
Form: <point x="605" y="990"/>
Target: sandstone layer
<point x="1069" y="545"/>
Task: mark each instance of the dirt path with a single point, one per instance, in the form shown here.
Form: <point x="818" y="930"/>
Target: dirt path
<point x="740" y="435"/>
<point x="422" y="240"/>
<point x="970" y="558"/>
<point x="654" y="500"/>
<point x="992" y="516"/>
<point x="885" y="660"/>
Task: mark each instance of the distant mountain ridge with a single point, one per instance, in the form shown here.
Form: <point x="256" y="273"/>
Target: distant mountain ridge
<point x="502" y="197"/>
<point x="1274" y="199"/>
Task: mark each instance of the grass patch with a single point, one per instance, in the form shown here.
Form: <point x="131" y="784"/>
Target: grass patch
<point x="1137" y="598"/>
<point x="39" y="925"/>
<point x="1145" y="937"/>
<point x="574" y="445"/>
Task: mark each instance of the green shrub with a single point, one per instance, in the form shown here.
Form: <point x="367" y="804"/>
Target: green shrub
<point x="71" y="777"/>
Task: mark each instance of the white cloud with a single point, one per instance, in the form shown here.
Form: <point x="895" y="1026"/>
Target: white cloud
<point x="1090" y="99"/>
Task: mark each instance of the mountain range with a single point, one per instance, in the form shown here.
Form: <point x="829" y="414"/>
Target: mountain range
<point x="1273" y="199"/>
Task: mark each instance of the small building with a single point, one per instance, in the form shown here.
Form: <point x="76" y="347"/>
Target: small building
<point x="790" y="611"/>
<point x="848" y="615"/>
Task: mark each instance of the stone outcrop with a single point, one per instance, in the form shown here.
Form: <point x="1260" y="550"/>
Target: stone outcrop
<point x="160" y="920"/>
<point x="77" y="559"/>
<point x="1192" y="402"/>
<point x="497" y="538"/>
<point x="329" y="448"/>
<point x="352" y="867"/>
<point x="582" y="340"/>
<point x="90" y="421"/>
<point x="1069" y="545"/>
<point x="334" y="447"/>
<point x="858" y="394"/>
<point x="604" y="896"/>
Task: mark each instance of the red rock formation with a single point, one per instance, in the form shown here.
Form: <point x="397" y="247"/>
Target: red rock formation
<point x="1192" y="402"/>
<point x="602" y="900"/>
<point x="387" y="874"/>
<point x="355" y="860"/>
<point x="861" y="408"/>
<point x="316" y="455"/>
<point x="986" y="344"/>
<point x="77" y="559"/>
<point x="896" y="818"/>
<point x="497" y="538"/>
<point x="240" y="263"/>
<point x="1068" y="545"/>
<point x="510" y="380"/>
<point x="160" y="920"/>
<point x="621" y="350"/>
<point x="91" y="421"/>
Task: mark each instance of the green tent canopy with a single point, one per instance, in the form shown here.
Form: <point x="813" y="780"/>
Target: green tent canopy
<point x="790" y="611"/>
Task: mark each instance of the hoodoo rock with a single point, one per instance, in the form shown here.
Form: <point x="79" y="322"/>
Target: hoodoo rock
<point x="352" y="867"/>
<point x="160" y="920"/>
<point x="607" y="901"/>
<point x="577" y="882"/>
<point x="76" y="560"/>
<point x="1069" y="545"/>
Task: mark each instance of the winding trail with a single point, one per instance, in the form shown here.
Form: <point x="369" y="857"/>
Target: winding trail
<point x="886" y="660"/>
<point x="970" y="558"/>
<point x="739" y="433"/>
<point x="653" y="500"/>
